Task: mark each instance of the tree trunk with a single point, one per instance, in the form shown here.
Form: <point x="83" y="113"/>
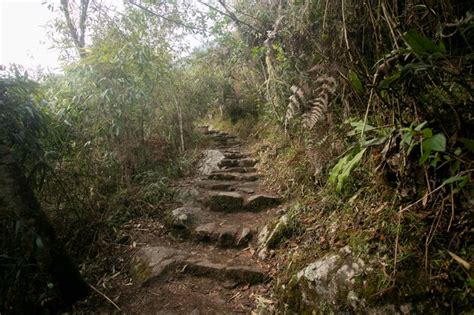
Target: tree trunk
<point x="17" y="200"/>
<point x="180" y="121"/>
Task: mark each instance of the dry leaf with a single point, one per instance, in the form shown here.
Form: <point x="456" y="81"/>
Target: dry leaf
<point x="460" y="261"/>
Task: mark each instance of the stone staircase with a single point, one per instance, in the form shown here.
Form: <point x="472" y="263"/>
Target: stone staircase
<point x="218" y="215"/>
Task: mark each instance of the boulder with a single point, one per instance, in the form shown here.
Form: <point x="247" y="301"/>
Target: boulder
<point x="186" y="195"/>
<point x="328" y="283"/>
<point x="210" y="161"/>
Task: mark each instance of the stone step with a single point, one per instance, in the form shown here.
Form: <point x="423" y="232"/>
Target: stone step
<point x="237" y="169"/>
<point x="211" y="132"/>
<point x="217" y="185"/>
<point x="224" y="201"/>
<point x="205" y="226"/>
<point x="234" y="155"/>
<point x="227" y="201"/>
<point x="226" y="235"/>
<point x="259" y="202"/>
<point x="250" y="177"/>
<point x="247" y="162"/>
<point x="156" y="263"/>
<point x="224" y="176"/>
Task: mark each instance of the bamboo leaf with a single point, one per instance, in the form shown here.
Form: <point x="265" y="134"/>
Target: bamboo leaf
<point x="420" y="45"/>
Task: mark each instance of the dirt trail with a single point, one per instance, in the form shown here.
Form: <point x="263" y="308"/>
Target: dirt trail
<point x="202" y="259"/>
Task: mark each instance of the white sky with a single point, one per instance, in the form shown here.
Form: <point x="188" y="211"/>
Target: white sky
<point x="23" y="38"/>
<point x="23" y="35"/>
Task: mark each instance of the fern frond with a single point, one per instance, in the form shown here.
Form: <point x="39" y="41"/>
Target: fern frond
<point x="296" y="102"/>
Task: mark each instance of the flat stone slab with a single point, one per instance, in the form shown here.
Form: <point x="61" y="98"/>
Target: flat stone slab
<point x="150" y="263"/>
<point x="217" y="185"/>
<point x="154" y="263"/>
<point x="206" y="232"/>
<point x="246" y="162"/>
<point x="224" y="176"/>
<point x="249" y="177"/>
<point x="224" y="201"/>
<point x="227" y="235"/>
<point x="260" y="202"/>
<point x="230" y="163"/>
<point x="234" y="155"/>
<point x="246" y="190"/>
<point x="239" y="169"/>
<point x="244" y="177"/>
<point x="251" y="274"/>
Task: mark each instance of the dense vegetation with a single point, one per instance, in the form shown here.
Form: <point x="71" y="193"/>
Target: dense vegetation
<point x="374" y="148"/>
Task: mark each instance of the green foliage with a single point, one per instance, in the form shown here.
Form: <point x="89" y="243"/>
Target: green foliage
<point x="22" y="122"/>
<point x="342" y="170"/>
<point x="422" y="46"/>
<point x="355" y="82"/>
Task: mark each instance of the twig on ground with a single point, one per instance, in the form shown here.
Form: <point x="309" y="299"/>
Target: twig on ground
<point x="105" y="297"/>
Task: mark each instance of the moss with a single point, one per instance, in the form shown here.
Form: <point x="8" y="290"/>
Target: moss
<point x="140" y="272"/>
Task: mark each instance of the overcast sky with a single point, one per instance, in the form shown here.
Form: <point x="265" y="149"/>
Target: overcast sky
<point x="23" y="34"/>
<point x="23" y="38"/>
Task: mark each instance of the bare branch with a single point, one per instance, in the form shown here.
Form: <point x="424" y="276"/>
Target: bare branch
<point x="191" y="27"/>
<point x="230" y="15"/>
<point x="77" y="33"/>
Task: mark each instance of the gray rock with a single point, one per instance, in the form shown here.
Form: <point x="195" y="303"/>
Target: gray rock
<point x="154" y="263"/>
<point x="263" y="235"/>
<point x="206" y="232"/>
<point x="185" y="217"/>
<point x="249" y="177"/>
<point x="230" y="163"/>
<point x="205" y="267"/>
<point x="186" y="195"/>
<point x="217" y="185"/>
<point x="244" y="237"/>
<point x="225" y="201"/>
<point x="224" y="176"/>
<point x="247" y="162"/>
<point x="246" y="190"/>
<point x="227" y="235"/>
<point x="332" y="279"/>
<point x="150" y="263"/>
<point x="259" y="202"/>
<point x="271" y="238"/>
<point x="233" y="155"/>
<point x="250" y="274"/>
<point x="210" y="161"/>
<point x="240" y="169"/>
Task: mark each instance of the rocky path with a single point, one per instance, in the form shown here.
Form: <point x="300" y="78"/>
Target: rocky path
<point x="205" y="261"/>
